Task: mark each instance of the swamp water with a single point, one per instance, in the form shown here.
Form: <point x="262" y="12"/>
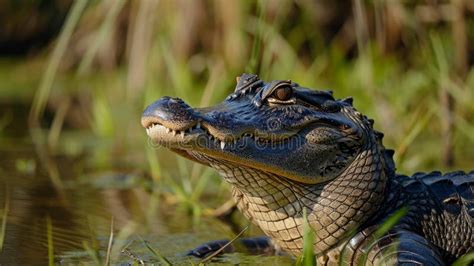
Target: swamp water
<point x="77" y="220"/>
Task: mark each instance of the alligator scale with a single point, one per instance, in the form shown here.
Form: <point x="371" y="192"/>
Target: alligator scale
<point x="285" y="148"/>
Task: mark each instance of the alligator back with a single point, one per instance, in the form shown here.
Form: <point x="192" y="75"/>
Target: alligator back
<point x="441" y="207"/>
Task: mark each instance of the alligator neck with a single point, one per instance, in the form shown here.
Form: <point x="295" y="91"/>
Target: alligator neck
<point x="334" y="209"/>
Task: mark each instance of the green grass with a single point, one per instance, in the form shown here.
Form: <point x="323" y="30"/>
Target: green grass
<point x="399" y="88"/>
<point x="465" y="260"/>
<point x="308" y="246"/>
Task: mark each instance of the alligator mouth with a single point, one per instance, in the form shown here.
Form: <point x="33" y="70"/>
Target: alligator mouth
<point x="207" y="137"/>
<point x="153" y="127"/>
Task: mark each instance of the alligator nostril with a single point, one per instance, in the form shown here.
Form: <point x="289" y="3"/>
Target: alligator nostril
<point x="175" y="100"/>
<point x="173" y="113"/>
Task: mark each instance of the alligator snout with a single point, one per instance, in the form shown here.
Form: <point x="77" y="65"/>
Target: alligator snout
<point x="172" y="113"/>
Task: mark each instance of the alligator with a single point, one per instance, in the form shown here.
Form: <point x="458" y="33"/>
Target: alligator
<point x="285" y="149"/>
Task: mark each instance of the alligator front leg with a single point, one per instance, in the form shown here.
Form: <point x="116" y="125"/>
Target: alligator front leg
<point x="402" y="247"/>
<point x="253" y="245"/>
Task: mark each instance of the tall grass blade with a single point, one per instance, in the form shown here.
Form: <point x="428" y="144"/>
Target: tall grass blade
<point x="49" y="234"/>
<point x="4" y="218"/>
<point x="257" y="42"/>
<point x="102" y="34"/>
<point x="308" y="243"/>
<point x="111" y="239"/>
<point x="42" y="94"/>
<point x="465" y="260"/>
<point x="307" y="257"/>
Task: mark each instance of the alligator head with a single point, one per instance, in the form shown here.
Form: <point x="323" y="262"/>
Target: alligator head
<point x="277" y="127"/>
<point x="283" y="147"/>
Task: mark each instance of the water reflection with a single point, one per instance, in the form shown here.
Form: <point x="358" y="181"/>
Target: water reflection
<point x="31" y="200"/>
<point x="81" y="216"/>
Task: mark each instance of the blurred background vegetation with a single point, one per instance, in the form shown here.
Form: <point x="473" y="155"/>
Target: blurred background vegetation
<point x="76" y="75"/>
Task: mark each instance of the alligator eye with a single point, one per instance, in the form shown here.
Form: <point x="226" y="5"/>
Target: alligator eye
<point x="283" y="93"/>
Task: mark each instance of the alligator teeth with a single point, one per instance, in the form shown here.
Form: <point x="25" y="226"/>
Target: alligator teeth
<point x="222" y="145"/>
<point x="168" y="130"/>
<point x="182" y="134"/>
<point x="173" y="132"/>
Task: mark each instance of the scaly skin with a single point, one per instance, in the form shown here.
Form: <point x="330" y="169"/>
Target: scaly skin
<point x="285" y="148"/>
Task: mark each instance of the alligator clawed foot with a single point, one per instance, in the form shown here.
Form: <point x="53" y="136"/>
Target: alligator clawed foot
<point x="252" y="245"/>
<point x="209" y="248"/>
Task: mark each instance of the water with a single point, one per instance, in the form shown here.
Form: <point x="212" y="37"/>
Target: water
<point x="81" y="216"/>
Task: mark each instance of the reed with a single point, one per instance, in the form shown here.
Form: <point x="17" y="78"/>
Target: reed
<point x="49" y="236"/>
<point x="4" y="216"/>
<point x="307" y="257"/>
